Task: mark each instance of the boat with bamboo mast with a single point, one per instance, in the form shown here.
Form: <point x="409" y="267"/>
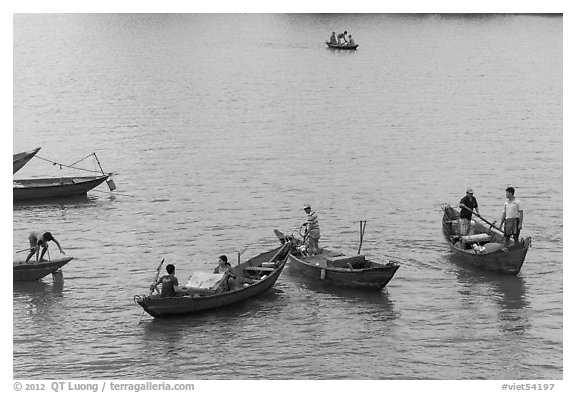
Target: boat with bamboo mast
<point x="61" y="186"/>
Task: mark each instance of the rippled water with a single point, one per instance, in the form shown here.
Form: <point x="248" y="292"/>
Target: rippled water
<point x="220" y="127"/>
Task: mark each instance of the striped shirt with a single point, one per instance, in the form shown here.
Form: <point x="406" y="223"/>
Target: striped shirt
<point x="313" y="222"/>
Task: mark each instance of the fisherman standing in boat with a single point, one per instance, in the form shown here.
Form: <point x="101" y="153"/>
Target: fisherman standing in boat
<point x="169" y="283"/>
<point x="512" y="217"/>
<point x="39" y="240"/>
<point x="342" y="36"/>
<point x="333" y="40"/>
<point x="312" y="231"/>
<point x="467" y="204"/>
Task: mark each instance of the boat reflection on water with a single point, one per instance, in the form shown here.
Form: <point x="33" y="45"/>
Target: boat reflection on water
<point x="55" y="203"/>
<point x="368" y="300"/>
<point x="508" y="292"/>
<point x="39" y="296"/>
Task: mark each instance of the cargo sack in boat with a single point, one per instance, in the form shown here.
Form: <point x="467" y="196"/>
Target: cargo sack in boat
<point x="481" y="237"/>
<point x="204" y="280"/>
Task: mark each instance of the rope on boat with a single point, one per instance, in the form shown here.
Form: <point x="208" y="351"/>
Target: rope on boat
<point x="71" y="166"/>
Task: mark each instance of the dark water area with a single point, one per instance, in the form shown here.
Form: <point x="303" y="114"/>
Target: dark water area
<point x="219" y="127"/>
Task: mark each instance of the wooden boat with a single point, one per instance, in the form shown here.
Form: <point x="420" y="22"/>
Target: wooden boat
<point x="32" y="270"/>
<point x="57" y="187"/>
<point x="342" y="46"/>
<point x="262" y="270"/>
<point x="337" y="269"/>
<point x="21" y="159"/>
<point x="484" y="249"/>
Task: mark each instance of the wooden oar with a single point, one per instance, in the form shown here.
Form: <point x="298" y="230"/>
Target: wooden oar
<point x="362" y="229"/>
<point x="483" y="219"/>
<point x="152" y="290"/>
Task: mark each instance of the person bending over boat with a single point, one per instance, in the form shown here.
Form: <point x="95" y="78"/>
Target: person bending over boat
<point x="512" y="217"/>
<point x="39" y="240"/>
<point x="169" y="283"/>
<point x="223" y="265"/>
<point x="343" y="37"/>
<point x="312" y="231"/>
<point x="333" y="40"/>
<point x="467" y="204"/>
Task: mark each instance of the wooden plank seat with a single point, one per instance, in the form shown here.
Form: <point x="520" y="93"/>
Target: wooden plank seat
<point x="260" y="269"/>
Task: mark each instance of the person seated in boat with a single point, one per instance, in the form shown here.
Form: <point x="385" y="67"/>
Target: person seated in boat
<point x="351" y="41"/>
<point x="333" y="40"/>
<point x="343" y="37"/>
<point x="170" y="286"/>
<point x="223" y="265"/>
<point x="237" y="279"/>
<point x="468" y="203"/>
<point x="39" y="240"/>
<point x="312" y="231"/>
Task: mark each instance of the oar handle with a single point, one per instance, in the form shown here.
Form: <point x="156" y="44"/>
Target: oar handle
<point x="483" y="219"/>
<point x="157" y="275"/>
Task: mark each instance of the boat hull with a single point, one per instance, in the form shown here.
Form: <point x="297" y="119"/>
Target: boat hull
<point x="497" y="258"/>
<point x="21" y="159"/>
<point x="343" y="47"/>
<point x="372" y="278"/>
<point x="33" y="271"/>
<point x="47" y="188"/>
<point x="188" y="304"/>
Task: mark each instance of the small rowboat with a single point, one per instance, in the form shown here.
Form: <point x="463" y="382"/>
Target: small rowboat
<point x="21" y="159"/>
<point x="32" y="271"/>
<point x="342" y="46"/>
<point x="255" y="276"/>
<point x="57" y="187"/>
<point x="484" y="249"/>
<point x="337" y="269"/>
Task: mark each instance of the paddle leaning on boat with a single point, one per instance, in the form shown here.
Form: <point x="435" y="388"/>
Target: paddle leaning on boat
<point x="484" y="245"/>
<point x="206" y="291"/>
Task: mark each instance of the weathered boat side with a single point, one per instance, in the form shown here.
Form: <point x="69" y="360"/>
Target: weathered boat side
<point x="341" y="46"/>
<point x="374" y="276"/>
<point x="188" y="304"/>
<point x="495" y="257"/>
<point x="60" y="187"/>
<point x="32" y="271"/>
<point x="21" y="159"/>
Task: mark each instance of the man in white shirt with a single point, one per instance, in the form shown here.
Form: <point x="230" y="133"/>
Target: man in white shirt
<point x="512" y="217"/>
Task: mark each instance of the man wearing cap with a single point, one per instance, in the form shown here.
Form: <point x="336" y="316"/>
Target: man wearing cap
<point x="39" y="240"/>
<point x="467" y="204"/>
<point x="312" y="231"/>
